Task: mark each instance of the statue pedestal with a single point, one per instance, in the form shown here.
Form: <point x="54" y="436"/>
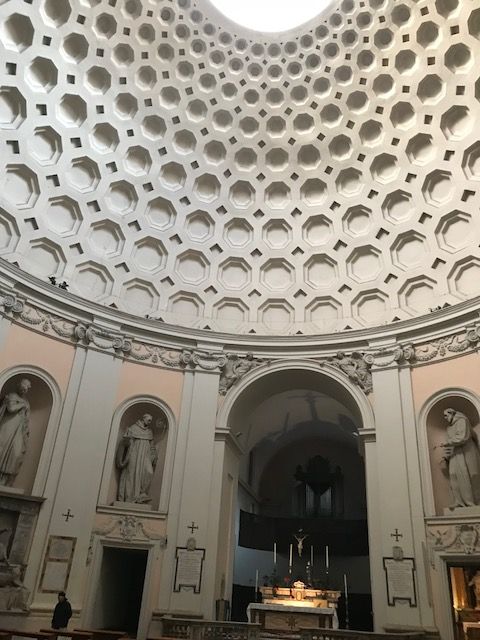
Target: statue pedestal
<point x="133" y="506"/>
<point x="463" y="511"/>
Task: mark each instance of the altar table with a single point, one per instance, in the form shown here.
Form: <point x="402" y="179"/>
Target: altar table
<point x="292" y="617"/>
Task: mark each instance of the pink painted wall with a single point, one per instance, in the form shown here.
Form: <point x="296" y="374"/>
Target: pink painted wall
<point x="28" y="347"/>
<point x="457" y="372"/>
<point x="137" y="380"/>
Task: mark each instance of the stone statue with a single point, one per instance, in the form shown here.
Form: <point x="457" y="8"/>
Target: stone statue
<point x="14" y="417"/>
<point x="475" y="583"/>
<point x="234" y="369"/>
<point x="136" y="459"/>
<point x="463" y="458"/>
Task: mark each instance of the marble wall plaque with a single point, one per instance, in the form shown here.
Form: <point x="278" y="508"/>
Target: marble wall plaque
<point x="400" y="578"/>
<point x="188" y="570"/>
<point x="57" y="564"/>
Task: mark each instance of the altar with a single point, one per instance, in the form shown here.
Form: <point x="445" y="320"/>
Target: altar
<point x="290" y="609"/>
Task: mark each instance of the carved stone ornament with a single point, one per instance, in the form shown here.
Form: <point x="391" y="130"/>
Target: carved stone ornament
<point x="357" y="366"/>
<point x="126" y="528"/>
<point x="454" y="538"/>
<point x="234" y="368"/>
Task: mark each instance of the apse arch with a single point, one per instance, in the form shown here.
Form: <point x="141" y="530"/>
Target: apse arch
<point x="281" y="507"/>
<point x="253" y="385"/>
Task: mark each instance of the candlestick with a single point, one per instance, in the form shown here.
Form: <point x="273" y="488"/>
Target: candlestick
<point x="256" y="584"/>
<point x="274" y="553"/>
<point x="326" y="558"/>
<point x="311" y="555"/>
<point x="345" y="588"/>
<point x="291" y="556"/>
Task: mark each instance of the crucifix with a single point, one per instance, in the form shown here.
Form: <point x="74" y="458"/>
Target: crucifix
<point x="68" y="515"/>
<point x="192" y="526"/>
<point x="396" y="535"/>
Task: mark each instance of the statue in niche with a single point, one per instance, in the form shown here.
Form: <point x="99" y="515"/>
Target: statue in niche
<point x="14" y="418"/>
<point x="136" y="459"/>
<point x="462" y="456"/>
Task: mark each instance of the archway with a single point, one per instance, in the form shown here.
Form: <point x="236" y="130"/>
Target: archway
<point x="300" y="468"/>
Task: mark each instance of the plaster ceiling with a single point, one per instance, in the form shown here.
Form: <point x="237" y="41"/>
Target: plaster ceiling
<point x="164" y="161"/>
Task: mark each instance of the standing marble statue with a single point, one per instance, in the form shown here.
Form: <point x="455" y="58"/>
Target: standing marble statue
<point x="463" y="458"/>
<point x="136" y="459"/>
<point x="14" y="418"/>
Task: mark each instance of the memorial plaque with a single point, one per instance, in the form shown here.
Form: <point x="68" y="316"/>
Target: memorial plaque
<point x="400" y="577"/>
<point x="57" y="564"/>
<point x="188" y="571"/>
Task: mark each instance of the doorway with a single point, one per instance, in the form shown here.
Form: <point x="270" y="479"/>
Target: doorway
<point x="119" y="593"/>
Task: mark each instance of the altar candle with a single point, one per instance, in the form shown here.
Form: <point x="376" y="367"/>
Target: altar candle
<point x="274" y="553"/>
<point x="326" y="557"/>
<point x="345" y="588"/>
<point x="291" y="555"/>
<point x="256" y="584"/>
<point x="311" y="555"/>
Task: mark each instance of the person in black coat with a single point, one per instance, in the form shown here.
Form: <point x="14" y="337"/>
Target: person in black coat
<point x="62" y="612"/>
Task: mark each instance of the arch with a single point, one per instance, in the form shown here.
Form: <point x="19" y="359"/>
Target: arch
<point x="51" y="428"/>
<point x="425" y="461"/>
<point x="169" y="451"/>
<point x="352" y="393"/>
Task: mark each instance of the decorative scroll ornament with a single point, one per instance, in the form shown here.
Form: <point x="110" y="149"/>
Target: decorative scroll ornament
<point x="357" y="366"/>
<point x="455" y="538"/>
<point x="234" y="368"/>
<point x="126" y="528"/>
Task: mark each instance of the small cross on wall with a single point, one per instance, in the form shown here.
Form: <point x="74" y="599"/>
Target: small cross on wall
<point x="192" y="526"/>
<point x="396" y="534"/>
<point x="68" y="515"/>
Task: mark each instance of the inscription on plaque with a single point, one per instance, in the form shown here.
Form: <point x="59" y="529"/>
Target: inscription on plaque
<point x="400" y="577"/>
<point x="188" y="572"/>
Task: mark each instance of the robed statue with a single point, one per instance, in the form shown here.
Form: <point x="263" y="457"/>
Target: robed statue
<point x="462" y="455"/>
<point x="136" y="459"/>
<point x="14" y="419"/>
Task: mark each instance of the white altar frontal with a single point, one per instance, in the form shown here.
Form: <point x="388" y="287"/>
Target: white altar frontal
<point x="291" y="609"/>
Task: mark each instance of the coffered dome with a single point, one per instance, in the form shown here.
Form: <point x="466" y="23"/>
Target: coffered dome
<point x="165" y="161"/>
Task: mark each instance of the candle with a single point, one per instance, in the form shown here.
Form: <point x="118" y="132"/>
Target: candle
<point x="274" y="553"/>
<point x="311" y="555"/>
<point x="291" y="555"/>
<point x="345" y="588"/>
<point x="256" y="584"/>
<point x="326" y="557"/>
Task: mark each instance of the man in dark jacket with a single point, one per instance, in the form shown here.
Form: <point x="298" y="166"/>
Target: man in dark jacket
<point x="62" y="612"/>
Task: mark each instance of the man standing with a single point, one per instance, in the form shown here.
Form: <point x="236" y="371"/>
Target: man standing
<point x="62" y="612"/>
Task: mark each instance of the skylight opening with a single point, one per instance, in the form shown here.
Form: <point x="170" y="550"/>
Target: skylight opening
<point x="271" y="16"/>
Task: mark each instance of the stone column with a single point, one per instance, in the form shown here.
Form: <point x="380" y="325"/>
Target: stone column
<point x="195" y="494"/>
<point x="395" y="506"/>
<point x="78" y="458"/>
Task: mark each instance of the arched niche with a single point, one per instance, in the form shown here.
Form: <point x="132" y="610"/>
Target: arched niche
<point x="41" y="397"/>
<point x="436" y="425"/>
<point x="127" y="415"/>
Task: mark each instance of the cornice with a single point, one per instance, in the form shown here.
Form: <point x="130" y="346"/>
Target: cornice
<point x="51" y="311"/>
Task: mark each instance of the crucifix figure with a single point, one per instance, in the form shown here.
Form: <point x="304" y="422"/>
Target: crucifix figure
<point x="300" y="537"/>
